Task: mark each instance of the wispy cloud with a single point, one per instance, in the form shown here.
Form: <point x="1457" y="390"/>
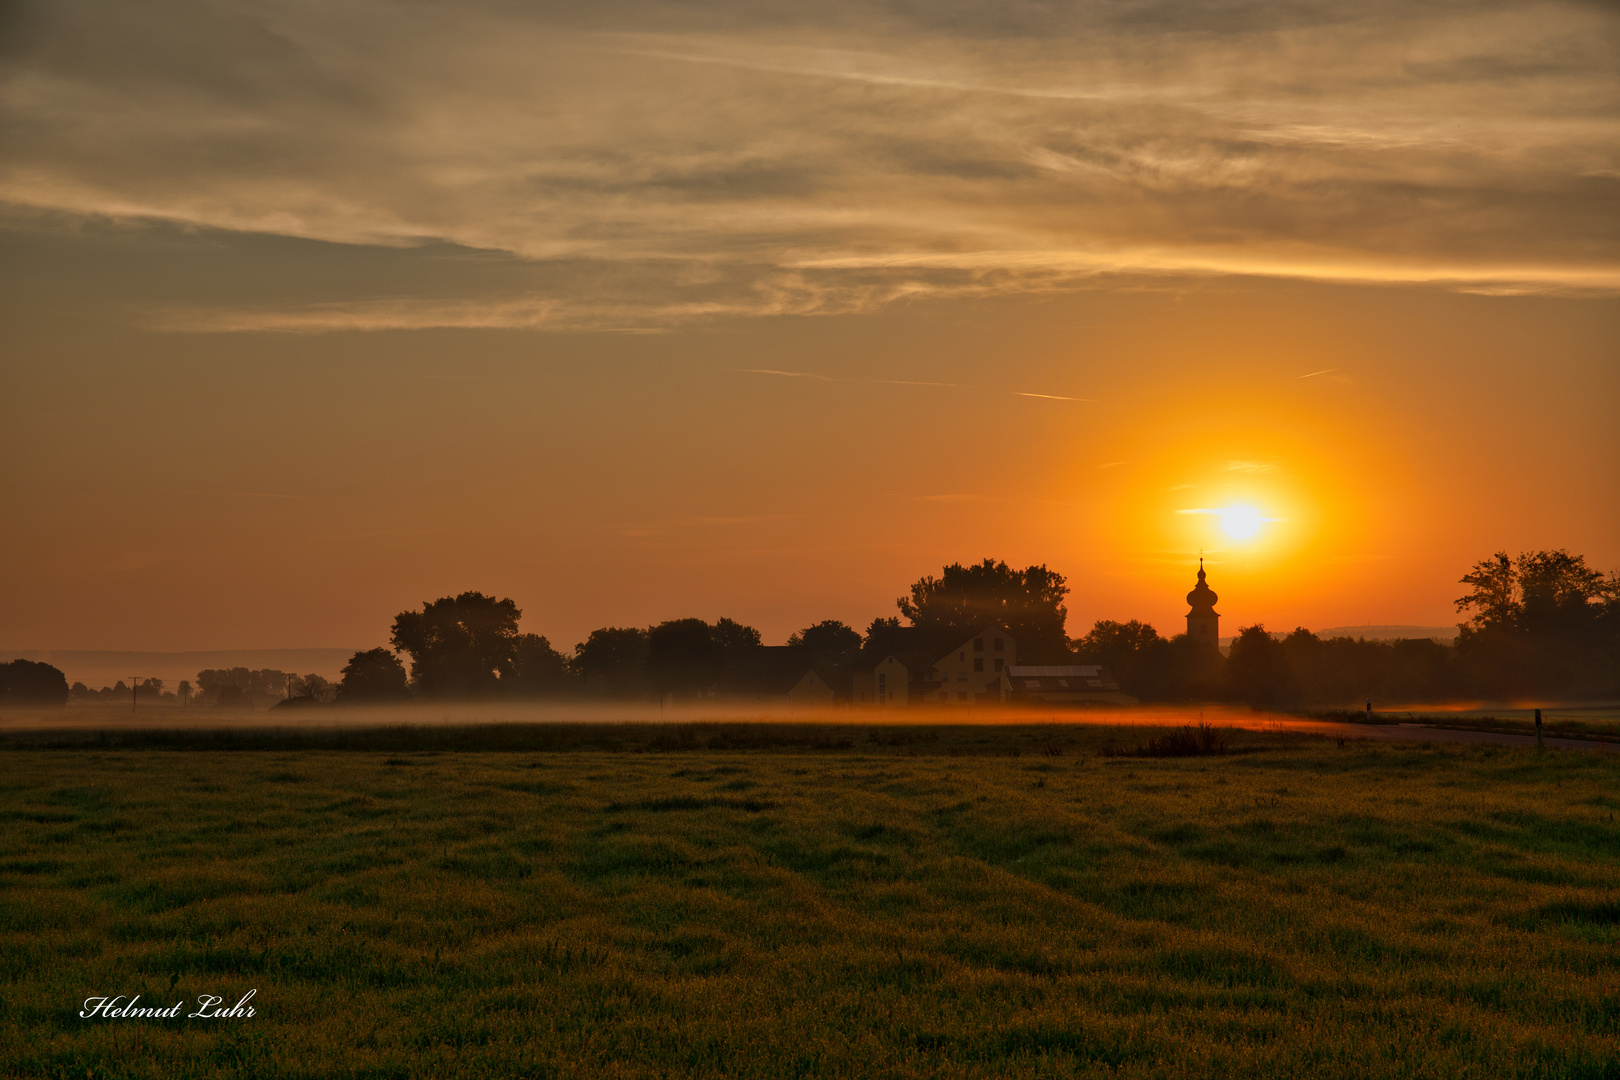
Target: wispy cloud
<point x="787" y="374"/>
<point x="1252" y="466"/>
<point x="238" y="494"/>
<point x="1314" y="374"/>
<point x="1053" y="397"/>
<point x="1112" y="464"/>
<point x="856" y="156"/>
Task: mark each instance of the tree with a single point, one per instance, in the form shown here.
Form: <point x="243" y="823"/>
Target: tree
<point x="1495" y="593"/>
<point x="1559" y="593"/>
<point x="1133" y="652"/>
<point x="613" y="660"/>
<point x="881" y="626"/>
<point x="1545" y="623"/>
<point x="683" y="656"/>
<point x="733" y="636"/>
<point x="830" y="645"/>
<point x="373" y="677"/>
<point x="537" y="668"/>
<point x="460" y="646"/>
<point x="32" y="682"/>
<point x="1258" y="667"/>
<point x="263" y="684"/>
<point x="314" y="687"/>
<point x="1028" y="602"/>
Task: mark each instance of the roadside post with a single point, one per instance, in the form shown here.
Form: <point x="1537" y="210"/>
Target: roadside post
<point x="1538" y="729"/>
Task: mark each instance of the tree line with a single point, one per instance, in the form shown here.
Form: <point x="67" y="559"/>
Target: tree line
<point x="1544" y="624"/>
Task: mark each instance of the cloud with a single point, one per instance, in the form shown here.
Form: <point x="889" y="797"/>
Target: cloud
<point x="786" y="374"/>
<point x="677" y="164"/>
<point x="1053" y="397"/>
<point x="1252" y="466"/>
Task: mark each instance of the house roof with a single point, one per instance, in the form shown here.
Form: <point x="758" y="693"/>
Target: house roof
<point x="766" y="669"/>
<point x="1072" y="671"/>
<point x="919" y="647"/>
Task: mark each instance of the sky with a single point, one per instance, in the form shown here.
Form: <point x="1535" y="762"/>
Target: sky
<point x="634" y="311"/>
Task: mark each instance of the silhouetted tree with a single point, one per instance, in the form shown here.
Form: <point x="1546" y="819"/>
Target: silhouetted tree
<point x="1192" y="670"/>
<point x="460" y="646"/>
<point x="1545" y="623"/>
<point x="373" y="677"/>
<point x="683" y="657"/>
<point x="266" y="684"/>
<point x="880" y="626"/>
<point x="1133" y="652"/>
<point x="1258" y="667"/>
<point x="231" y="696"/>
<point x="1028" y="602"/>
<point x="33" y="683"/>
<point x="731" y="635"/>
<point x="831" y="646"/>
<point x="1494" y="596"/>
<point x="316" y="688"/>
<point x="613" y="660"/>
<point x="538" y="670"/>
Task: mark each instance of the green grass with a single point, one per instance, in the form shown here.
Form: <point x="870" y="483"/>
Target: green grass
<point x="904" y="903"/>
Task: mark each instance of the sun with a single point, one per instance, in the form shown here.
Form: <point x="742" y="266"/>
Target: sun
<point x="1241" y="522"/>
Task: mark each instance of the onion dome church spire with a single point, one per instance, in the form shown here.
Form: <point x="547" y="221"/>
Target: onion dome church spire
<point x="1203" y="621"/>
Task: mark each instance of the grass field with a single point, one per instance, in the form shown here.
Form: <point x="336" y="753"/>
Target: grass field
<point x="909" y="902"/>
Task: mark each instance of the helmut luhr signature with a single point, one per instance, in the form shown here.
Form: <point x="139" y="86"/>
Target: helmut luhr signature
<point x="124" y="1007"/>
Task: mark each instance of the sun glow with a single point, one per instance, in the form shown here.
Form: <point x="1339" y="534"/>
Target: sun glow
<point x="1238" y="522"/>
<point x="1241" y="522"/>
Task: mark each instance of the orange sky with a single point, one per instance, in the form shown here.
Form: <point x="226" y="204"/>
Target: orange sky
<point x="311" y="318"/>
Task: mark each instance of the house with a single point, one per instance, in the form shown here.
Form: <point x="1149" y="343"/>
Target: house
<point x="1063" y="684"/>
<point x="779" y="673"/>
<point x="914" y="665"/>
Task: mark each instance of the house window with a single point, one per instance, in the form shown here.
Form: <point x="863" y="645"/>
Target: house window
<point x="961" y="656"/>
<point x="978" y="665"/>
<point x="1032" y="684"/>
<point x="961" y="676"/>
<point x="978" y="644"/>
<point x="1000" y="645"/>
<point x="998" y="663"/>
<point x="1064" y="683"/>
<point x="961" y="697"/>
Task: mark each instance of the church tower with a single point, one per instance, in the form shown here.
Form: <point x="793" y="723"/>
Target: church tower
<point x="1203" y="621"/>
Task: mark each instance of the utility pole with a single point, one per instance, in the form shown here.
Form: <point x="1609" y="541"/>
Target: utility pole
<point x="1538" y="729"/>
<point x="134" y="691"/>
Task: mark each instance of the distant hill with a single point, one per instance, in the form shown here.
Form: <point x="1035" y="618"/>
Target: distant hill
<point x="97" y="668"/>
<point x="1444" y="634"/>
<point x="1390" y="633"/>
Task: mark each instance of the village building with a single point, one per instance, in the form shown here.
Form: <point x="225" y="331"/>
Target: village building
<point x="781" y="674"/>
<point x="1063" y="684"/>
<point x="915" y="665"/>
